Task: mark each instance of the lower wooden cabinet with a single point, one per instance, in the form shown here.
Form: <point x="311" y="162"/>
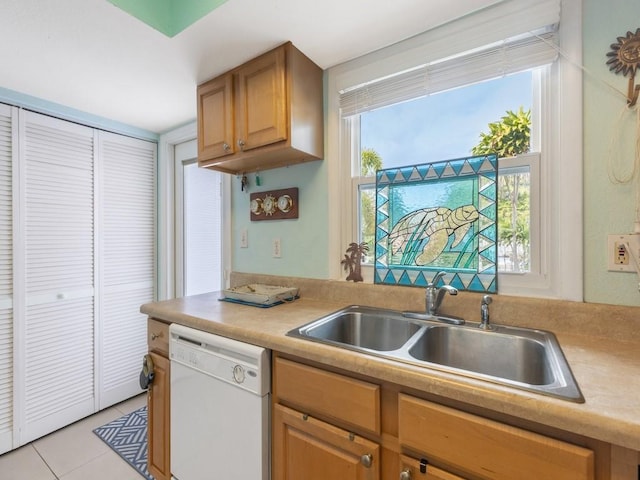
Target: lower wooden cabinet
<point x="307" y="448"/>
<point x="328" y="425"/>
<point x="487" y="449"/>
<point x="159" y="403"/>
<point x="159" y="420"/>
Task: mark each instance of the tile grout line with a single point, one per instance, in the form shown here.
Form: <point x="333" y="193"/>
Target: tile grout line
<point x="117" y="408"/>
<point x="45" y="462"/>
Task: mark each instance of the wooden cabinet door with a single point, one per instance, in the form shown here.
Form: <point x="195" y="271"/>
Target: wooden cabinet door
<point x="216" y="118"/>
<point x="262" y="101"/>
<point x="307" y="448"/>
<point x="158" y="404"/>
<point x="410" y="470"/>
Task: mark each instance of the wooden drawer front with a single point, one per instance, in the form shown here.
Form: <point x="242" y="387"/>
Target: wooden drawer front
<point x="335" y="396"/>
<point x="485" y="448"/>
<point x="412" y="467"/>
<point x="158" y="336"/>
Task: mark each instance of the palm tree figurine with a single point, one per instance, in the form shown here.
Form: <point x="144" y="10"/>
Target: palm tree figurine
<point x="353" y="259"/>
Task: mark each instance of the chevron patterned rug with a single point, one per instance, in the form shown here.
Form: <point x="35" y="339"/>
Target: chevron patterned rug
<point x="127" y="436"/>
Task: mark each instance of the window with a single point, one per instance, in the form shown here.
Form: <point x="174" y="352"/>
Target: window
<point x="429" y="98"/>
<point x="444" y="126"/>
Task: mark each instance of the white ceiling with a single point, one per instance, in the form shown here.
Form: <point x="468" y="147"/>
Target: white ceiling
<point x="91" y="56"/>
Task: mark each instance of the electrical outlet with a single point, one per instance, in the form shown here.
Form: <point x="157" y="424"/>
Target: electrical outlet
<point x="276" y="248"/>
<point x="619" y="257"/>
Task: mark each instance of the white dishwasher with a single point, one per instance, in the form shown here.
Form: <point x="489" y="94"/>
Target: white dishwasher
<point x="219" y="407"/>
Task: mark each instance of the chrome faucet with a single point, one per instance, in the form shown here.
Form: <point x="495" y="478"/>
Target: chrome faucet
<point x="485" y="324"/>
<point x="435" y="295"/>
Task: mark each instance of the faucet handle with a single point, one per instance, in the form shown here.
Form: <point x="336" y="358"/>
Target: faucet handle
<point x="485" y="323"/>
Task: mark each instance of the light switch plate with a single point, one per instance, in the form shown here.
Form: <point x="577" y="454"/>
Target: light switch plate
<point x="277" y="248"/>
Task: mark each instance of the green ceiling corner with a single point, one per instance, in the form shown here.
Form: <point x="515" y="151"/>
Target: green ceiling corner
<point x="168" y="16"/>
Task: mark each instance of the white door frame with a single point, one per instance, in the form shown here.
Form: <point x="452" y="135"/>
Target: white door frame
<point x="167" y="247"/>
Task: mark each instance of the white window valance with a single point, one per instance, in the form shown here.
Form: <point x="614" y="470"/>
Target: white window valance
<point x="473" y="54"/>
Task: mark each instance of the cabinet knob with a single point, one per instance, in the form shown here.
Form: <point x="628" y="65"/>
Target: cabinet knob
<point x="366" y="460"/>
<point x="241" y="144"/>
<point x="405" y="474"/>
<point x="155" y="336"/>
<point x="226" y="146"/>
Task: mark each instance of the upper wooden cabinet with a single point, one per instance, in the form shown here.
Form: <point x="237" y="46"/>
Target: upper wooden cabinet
<point x="264" y="114"/>
<point x="262" y="101"/>
<point x="215" y="118"/>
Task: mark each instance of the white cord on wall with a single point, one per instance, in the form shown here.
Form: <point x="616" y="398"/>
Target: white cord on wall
<point x="615" y="176"/>
<point x="635" y="259"/>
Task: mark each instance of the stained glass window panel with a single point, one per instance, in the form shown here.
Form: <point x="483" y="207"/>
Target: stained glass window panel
<point x="435" y="217"/>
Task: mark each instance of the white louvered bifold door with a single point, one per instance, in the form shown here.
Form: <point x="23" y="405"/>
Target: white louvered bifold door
<point x="127" y="268"/>
<point x="57" y="349"/>
<point x="7" y="131"/>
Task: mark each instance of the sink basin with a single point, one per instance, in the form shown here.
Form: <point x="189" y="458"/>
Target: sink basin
<point x="509" y="356"/>
<point x="523" y="358"/>
<point x="362" y="328"/>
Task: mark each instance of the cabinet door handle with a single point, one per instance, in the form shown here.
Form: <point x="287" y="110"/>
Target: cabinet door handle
<point x="366" y="460"/>
<point x="226" y="146"/>
<point x="155" y="336"/>
<point x="241" y="144"/>
<point x="405" y="474"/>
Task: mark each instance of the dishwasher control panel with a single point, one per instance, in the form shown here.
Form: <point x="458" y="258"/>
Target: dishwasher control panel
<point x="238" y="363"/>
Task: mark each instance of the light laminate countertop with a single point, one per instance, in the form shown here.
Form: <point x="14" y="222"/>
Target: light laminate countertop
<point x="607" y="370"/>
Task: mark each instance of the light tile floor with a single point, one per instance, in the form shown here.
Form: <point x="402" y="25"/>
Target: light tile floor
<point x="73" y="453"/>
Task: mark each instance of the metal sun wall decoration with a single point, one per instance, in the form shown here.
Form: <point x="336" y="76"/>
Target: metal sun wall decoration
<point x="624" y="58"/>
<point x="438" y="216"/>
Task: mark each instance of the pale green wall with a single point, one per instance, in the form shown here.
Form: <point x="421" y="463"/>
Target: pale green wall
<point x="303" y="240"/>
<point x="608" y="208"/>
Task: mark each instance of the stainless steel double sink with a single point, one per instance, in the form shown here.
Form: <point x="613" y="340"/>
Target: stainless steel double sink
<point x="523" y="358"/>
